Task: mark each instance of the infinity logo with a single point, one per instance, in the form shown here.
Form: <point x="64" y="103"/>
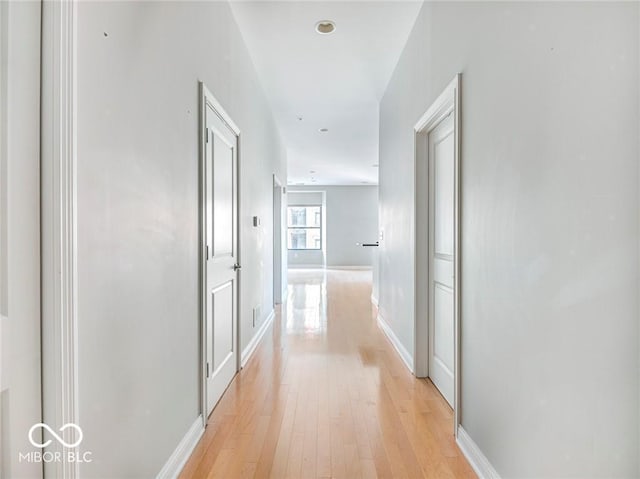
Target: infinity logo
<point x="53" y="433"/>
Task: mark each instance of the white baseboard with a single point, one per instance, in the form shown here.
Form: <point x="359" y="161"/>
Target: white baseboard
<point x="351" y="268"/>
<point x="181" y="454"/>
<point x="407" y="359"/>
<point x="306" y="266"/>
<point x="474" y="455"/>
<point x="374" y="300"/>
<point x="253" y="344"/>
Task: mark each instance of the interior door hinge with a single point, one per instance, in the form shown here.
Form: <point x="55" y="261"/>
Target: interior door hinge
<point x="207" y="368"/>
<point x="206" y="254"/>
<point x="207" y="134"/>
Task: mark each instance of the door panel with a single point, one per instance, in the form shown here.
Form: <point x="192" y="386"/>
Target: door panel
<point x="443" y="207"/>
<point x="221" y="201"/>
<point x="223" y="154"/>
<point x="441" y="260"/>
<point x="443" y="271"/>
<point x="222" y="306"/>
<point x="443" y="327"/>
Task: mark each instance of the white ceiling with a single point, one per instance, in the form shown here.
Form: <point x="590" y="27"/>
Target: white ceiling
<point x="332" y="81"/>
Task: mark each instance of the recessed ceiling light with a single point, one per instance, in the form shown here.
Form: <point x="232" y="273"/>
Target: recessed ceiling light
<point x="325" y="27"/>
<point x="324" y="130"/>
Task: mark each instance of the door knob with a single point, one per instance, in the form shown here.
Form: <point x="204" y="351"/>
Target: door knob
<point x="236" y="267"/>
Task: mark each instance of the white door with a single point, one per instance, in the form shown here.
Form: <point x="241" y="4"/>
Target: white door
<point x="441" y="256"/>
<point x="221" y="255"/>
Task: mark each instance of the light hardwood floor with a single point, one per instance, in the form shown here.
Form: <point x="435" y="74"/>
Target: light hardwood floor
<point x="326" y="396"/>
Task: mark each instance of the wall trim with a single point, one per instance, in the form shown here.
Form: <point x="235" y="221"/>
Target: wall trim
<point x="326" y="267"/>
<point x="306" y="266"/>
<point x="374" y="301"/>
<point x="59" y="226"/>
<point x="183" y="450"/>
<point x="407" y="359"/>
<point x="352" y="268"/>
<point x="474" y="455"/>
<point x="255" y="341"/>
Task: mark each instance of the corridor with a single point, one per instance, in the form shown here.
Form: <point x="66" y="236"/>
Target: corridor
<point x="326" y="395"/>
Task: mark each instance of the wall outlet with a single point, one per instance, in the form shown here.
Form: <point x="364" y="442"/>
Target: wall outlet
<point x="256" y="315"/>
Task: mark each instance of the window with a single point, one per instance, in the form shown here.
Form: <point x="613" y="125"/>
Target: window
<point x="304" y="227"/>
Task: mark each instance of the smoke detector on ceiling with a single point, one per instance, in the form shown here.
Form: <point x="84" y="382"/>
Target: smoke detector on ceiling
<point x="325" y="27"/>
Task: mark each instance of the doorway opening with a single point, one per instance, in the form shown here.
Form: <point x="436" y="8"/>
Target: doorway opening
<point x="306" y="232"/>
<point x="279" y="250"/>
<point x="437" y="221"/>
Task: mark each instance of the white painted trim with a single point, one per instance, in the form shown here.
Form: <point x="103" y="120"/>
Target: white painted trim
<point x="448" y="101"/>
<point x="4" y="126"/>
<point x="59" y="226"/>
<point x="182" y="452"/>
<point x="202" y="271"/>
<point x="374" y="301"/>
<point x="217" y="107"/>
<point x="255" y="341"/>
<point x="3" y="319"/>
<point x="407" y="359"/>
<point x="474" y="455"/>
<point x="326" y="268"/>
<point x="306" y="266"/>
<point x="439" y="108"/>
<point x="351" y="268"/>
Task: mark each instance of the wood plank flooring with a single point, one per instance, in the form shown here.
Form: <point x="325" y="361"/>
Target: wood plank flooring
<point x="326" y="396"/>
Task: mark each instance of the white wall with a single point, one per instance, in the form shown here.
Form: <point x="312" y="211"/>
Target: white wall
<point x="138" y="69"/>
<point x="550" y="155"/>
<point x="352" y="217"/>
<point x="20" y="393"/>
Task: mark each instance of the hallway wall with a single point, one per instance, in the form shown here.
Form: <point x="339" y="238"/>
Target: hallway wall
<point x="550" y="181"/>
<point x="139" y="65"/>
<point x="351" y="217"/>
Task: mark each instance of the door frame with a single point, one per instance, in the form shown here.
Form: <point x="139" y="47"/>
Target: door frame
<point x="448" y="102"/>
<point x="206" y="97"/>
<point x="59" y="339"/>
<point x="277" y="246"/>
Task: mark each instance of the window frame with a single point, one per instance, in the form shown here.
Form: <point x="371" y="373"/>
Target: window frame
<point x="320" y="228"/>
